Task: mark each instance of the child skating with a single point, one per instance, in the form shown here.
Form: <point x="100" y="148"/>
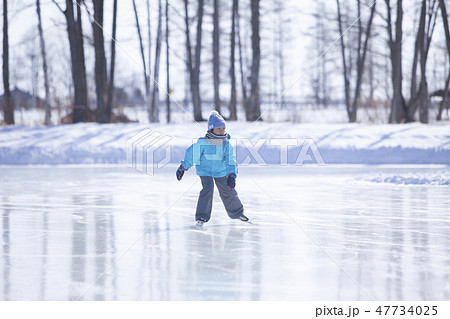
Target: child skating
<point x="214" y="160"/>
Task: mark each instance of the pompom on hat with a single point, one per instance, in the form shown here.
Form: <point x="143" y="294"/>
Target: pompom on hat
<point x="215" y="120"/>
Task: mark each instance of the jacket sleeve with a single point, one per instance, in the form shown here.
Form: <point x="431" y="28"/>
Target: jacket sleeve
<point x="191" y="156"/>
<point x="230" y="159"/>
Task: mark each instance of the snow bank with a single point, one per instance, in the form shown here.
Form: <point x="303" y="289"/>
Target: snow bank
<point x="336" y="143"/>
<point x="436" y="178"/>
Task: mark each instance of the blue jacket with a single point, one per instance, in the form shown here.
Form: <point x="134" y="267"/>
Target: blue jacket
<point x="211" y="160"/>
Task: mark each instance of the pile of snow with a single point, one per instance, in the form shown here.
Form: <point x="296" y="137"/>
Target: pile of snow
<point x="261" y="143"/>
<point x="437" y="178"/>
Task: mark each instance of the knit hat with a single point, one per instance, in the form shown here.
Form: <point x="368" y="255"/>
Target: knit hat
<point x="215" y="120"/>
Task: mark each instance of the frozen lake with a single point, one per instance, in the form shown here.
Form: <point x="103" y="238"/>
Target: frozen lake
<point x="112" y="233"/>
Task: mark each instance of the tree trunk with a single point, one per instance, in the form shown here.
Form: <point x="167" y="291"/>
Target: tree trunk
<point x="75" y="32"/>
<point x="418" y="47"/>
<point x="344" y="63"/>
<point x="198" y="50"/>
<point x="319" y="82"/>
<point x="8" y="105"/>
<point x="100" y="60"/>
<point x="253" y="111"/>
<point x="444" y="98"/>
<point x="447" y="42"/>
<point x="419" y="40"/>
<point x="360" y="64"/>
<point x="233" y="115"/>
<point x="423" y="95"/>
<point x="241" y="62"/>
<point x="44" y="65"/>
<point x="141" y="44"/>
<point x="280" y="53"/>
<point x="154" y="114"/>
<point x="424" y="101"/>
<point x="194" y="68"/>
<point x="424" y="35"/>
<point x="149" y="36"/>
<point x="167" y="64"/>
<point x="216" y="33"/>
<point x="398" y="108"/>
<point x="189" y="62"/>
<point x="109" y="102"/>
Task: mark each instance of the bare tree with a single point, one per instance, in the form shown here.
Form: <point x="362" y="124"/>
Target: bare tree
<point x="100" y="60"/>
<point x="44" y="65"/>
<point x="361" y="58"/>
<point x="193" y="63"/>
<point x="419" y="98"/>
<point x="109" y="100"/>
<point x="344" y="60"/>
<point x="149" y="36"/>
<point x="155" y="93"/>
<point x="216" y="57"/>
<point x="447" y="42"/>
<point x="280" y="49"/>
<point x="361" y="51"/>
<point x="8" y="105"/>
<point x="418" y="43"/>
<point x="233" y="115"/>
<point x="277" y="54"/>
<point x="241" y="59"/>
<point x="75" y="34"/>
<point x="398" y="107"/>
<point x="321" y="87"/>
<point x="151" y="113"/>
<point x="167" y="64"/>
<point x="198" y="50"/>
<point x="141" y="44"/>
<point x="253" y="109"/>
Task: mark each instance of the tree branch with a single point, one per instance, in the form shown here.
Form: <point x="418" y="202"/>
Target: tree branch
<point x="58" y="6"/>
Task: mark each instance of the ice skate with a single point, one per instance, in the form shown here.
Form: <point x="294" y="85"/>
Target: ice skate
<point x="200" y="222"/>
<point x="243" y="218"/>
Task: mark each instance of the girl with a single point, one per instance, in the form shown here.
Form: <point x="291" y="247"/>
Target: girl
<point x="214" y="160"/>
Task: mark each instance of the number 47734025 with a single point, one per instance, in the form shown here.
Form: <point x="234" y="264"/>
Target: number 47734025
<point x="403" y="310"/>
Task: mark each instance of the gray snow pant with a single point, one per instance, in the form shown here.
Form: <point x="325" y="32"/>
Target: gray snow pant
<point x="229" y="197"/>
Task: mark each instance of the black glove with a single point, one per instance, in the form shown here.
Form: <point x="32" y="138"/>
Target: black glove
<point x="231" y="181"/>
<point x="180" y="172"/>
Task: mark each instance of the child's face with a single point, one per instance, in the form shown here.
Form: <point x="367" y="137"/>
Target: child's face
<point x="219" y="131"/>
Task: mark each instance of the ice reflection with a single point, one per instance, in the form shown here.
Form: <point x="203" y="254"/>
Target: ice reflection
<point x="79" y="246"/>
<point x="156" y="259"/>
<point x="395" y="254"/>
<point x="6" y="263"/>
<point x="420" y="242"/>
<point x="44" y="265"/>
<point x="60" y="239"/>
<point x="219" y="266"/>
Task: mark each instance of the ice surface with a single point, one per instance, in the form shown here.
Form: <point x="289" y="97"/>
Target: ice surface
<point x="316" y="235"/>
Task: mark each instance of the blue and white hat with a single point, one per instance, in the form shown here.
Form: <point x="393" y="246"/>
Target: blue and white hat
<point x="215" y="120"/>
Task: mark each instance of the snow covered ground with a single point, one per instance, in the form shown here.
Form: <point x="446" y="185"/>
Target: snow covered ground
<point x="318" y="233"/>
<point x="336" y="143"/>
<point x="439" y="178"/>
<point x="305" y="113"/>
